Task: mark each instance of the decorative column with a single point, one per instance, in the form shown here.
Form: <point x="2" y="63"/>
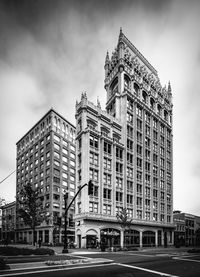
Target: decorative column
<point x="141" y="239"/>
<point x="122" y="238"/>
<point x="156" y="238"/>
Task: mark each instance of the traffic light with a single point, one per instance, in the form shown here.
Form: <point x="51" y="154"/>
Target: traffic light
<point x="59" y="221"/>
<point x="90" y="188"/>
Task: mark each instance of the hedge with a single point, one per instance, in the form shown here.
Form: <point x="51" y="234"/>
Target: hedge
<point x="14" y="251"/>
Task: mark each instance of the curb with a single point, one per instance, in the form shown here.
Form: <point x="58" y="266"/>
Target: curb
<point x="43" y="266"/>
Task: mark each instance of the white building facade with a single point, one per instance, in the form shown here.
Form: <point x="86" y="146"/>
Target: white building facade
<point x="127" y="152"/>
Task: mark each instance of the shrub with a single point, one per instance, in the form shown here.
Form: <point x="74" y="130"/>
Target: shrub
<point x="14" y="251"/>
<point x="3" y="264"/>
<point x="194" y="250"/>
<point x="43" y="251"/>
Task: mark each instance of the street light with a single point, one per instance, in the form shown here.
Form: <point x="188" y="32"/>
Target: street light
<point x="65" y="249"/>
<point x="90" y="191"/>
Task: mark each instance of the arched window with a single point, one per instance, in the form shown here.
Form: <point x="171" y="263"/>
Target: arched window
<point x="114" y="86"/>
<point x="165" y="115"/>
<point x="152" y="104"/>
<point x="159" y="110"/>
<point x="137" y="89"/>
<point x="58" y="123"/>
<point x="55" y="121"/>
<point x="126" y="82"/>
<point x="63" y="127"/>
<point x="144" y="97"/>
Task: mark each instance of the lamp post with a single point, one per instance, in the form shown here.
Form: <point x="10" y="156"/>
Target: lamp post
<point x="90" y="191"/>
<point x="65" y="249"/>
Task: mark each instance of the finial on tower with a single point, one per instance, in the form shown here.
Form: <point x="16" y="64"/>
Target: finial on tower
<point x="98" y="103"/>
<point x="169" y="87"/>
<point x="120" y="33"/>
<point x="107" y="58"/>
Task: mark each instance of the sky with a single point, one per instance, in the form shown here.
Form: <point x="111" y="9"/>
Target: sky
<point x="52" y="51"/>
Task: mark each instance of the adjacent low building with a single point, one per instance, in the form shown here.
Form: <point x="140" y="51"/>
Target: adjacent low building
<point x="8" y="222"/>
<point x="187" y="229"/>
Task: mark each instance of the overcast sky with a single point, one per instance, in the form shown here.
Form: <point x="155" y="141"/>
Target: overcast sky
<point x="52" y="51"/>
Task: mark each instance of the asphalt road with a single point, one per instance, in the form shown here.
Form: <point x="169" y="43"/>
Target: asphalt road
<point x="131" y="264"/>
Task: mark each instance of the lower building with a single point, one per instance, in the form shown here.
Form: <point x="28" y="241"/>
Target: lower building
<point x="8" y="222"/>
<point x="187" y="231"/>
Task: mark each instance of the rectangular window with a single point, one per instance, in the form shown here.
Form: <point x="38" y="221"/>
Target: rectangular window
<point x="129" y="118"/>
<point x="119" y="182"/>
<point x="139" y="163"/>
<point x="57" y="155"/>
<point x="119" y="167"/>
<point x="93" y="207"/>
<point x="72" y="155"/>
<point x="64" y="159"/>
<point x="107" y="209"/>
<point x="139" y="137"/>
<point x="119" y="153"/>
<point x="129" y="199"/>
<point x="56" y="146"/>
<point x="129" y="131"/>
<point x="57" y="138"/>
<point x="118" y="196"/>
<point x="93" y="158"/>
<point x="155" y="123"/>
<point x="94" y="142"/>
<point x="107" y="148"/>
<point x="65" y="175"/>
<point x="56" y="163"/>
<point x="130" y="185"/>
<point x="56" y="172"/>
<point x="107" y="163"/>
<point x="129" y="172"/>
<point x="139" y="125"/>
<point x="107" y="193"/>
<point x="107" y="179"/>
<point x="147" y="130"/>
<point x="94" y="174"/>
<point x="65" y="151"/>
<point x="129" y="158"/>
<point x="147" y="118"/>
<point x="139" y="111"/>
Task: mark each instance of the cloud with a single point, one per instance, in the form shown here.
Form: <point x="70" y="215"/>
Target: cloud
<point x="51" y="51"/>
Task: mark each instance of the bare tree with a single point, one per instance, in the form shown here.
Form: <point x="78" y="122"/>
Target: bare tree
<point x="124" y="220"/>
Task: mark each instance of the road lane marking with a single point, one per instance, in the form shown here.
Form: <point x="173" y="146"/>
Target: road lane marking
<point x="188" y="260"/>
<point x="147" y="270"/>
<point x="143" y="255"/>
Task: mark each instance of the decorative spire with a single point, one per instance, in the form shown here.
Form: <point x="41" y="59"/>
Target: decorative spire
<point x="83" y="95"/>
<point x="120" y="33"/>
<point x="107" y="61"/>
<point x="169" y="87"/>
<point x="98" y="103"/>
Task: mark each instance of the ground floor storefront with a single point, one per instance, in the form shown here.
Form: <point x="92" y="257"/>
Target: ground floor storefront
<point x="95" y="234"/>
<point x="47" y="236"/>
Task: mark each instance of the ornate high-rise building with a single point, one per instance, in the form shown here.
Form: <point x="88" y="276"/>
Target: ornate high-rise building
<point x="127" y="152"/>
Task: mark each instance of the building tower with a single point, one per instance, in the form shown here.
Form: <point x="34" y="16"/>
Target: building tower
<point x="127" y="153"/>
<point x="46" y="160"/>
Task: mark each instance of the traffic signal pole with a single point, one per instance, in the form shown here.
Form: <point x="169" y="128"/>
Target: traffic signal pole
<point x="90" y="184"/>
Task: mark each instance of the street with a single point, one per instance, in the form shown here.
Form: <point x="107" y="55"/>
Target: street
<point x="136" y="264"/>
